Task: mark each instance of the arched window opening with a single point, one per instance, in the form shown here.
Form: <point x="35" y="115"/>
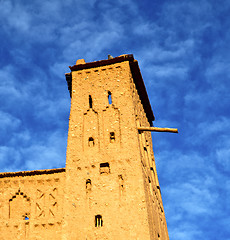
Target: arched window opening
<point x="104" y="168"/>
<point x="88" y="184"/>
<point x="19" y="206"/>
<point x="109" y="97"/>
<point x="91" y="142"/>
<point x="98" y="221"/>
<point x="90" y="102"/>
<point x="112" y="137"/>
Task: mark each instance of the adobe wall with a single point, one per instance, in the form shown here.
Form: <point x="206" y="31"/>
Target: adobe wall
<point x="118" y="196"/>
<point x="157" y="221"/>
<point x="31" y="204"/>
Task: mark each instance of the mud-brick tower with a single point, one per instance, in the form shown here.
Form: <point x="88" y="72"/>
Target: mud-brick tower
<point x="112" y="191"/>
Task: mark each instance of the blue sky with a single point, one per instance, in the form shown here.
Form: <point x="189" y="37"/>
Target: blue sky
<point x="183" y="52"/>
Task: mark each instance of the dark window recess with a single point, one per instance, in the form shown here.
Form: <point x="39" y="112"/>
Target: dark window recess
<point x="149" y="179"/>
<point x="145" y="153"/>
<point x="90" y="102"/>
<point x="26" y="216"/>
<point x="158" y="187"/>
<point x="109" y="97"/>
<point x="88" y="184"/>
<point x="91" y="142"/>
<point x="98" y="221"/>
<point x="151" y="168"/>
<point x="104" y="168"/>
<point x="112" y="137"/>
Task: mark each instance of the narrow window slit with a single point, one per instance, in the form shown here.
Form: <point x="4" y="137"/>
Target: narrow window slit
<point x="88" y="184"/>
<point x="90" y="102"/>
<point x="149" y="179"/>
<point x="112" y="137"/>
<point x="91" y="142"/>
<point x="158" y="187"/>
<point x="151" y="168"/>
<point x="109" y="97"/>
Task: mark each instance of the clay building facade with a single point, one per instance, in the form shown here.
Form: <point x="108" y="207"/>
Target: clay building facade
<point x="109" y="188"/>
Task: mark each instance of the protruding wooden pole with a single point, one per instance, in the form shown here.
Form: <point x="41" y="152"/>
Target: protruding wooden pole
<point x="157" y="129"/>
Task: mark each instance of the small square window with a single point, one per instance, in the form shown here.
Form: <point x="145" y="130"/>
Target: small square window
<point x="104" y="168"/>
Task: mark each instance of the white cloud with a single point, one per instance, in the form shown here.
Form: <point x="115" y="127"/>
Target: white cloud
<point x="223" y="158"/>
<point x="185" y="231"/>
<point x="8" y="121"/>
<point x="9" y="158"/>
<point x="15" y="15"/>
<point x="50" y="155"/>
<point x="209" y="130"/>
<point x="8" y="83"/>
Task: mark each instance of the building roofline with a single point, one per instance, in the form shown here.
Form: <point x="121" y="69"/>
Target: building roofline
<point x="136" y="74"/>
<point x="122" y="58"/>
<point x="138" y="80"/>
<point x="31" y="173"/>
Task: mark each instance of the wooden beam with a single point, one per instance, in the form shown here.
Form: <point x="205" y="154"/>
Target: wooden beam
<point x="157" y="129"/>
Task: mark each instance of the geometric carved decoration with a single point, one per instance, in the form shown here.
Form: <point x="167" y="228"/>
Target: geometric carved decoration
<point x="40" y="204"/>
<point x="53" y="205"/>
<point x="46" y="203"/>
<point x="19" y="206"/>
